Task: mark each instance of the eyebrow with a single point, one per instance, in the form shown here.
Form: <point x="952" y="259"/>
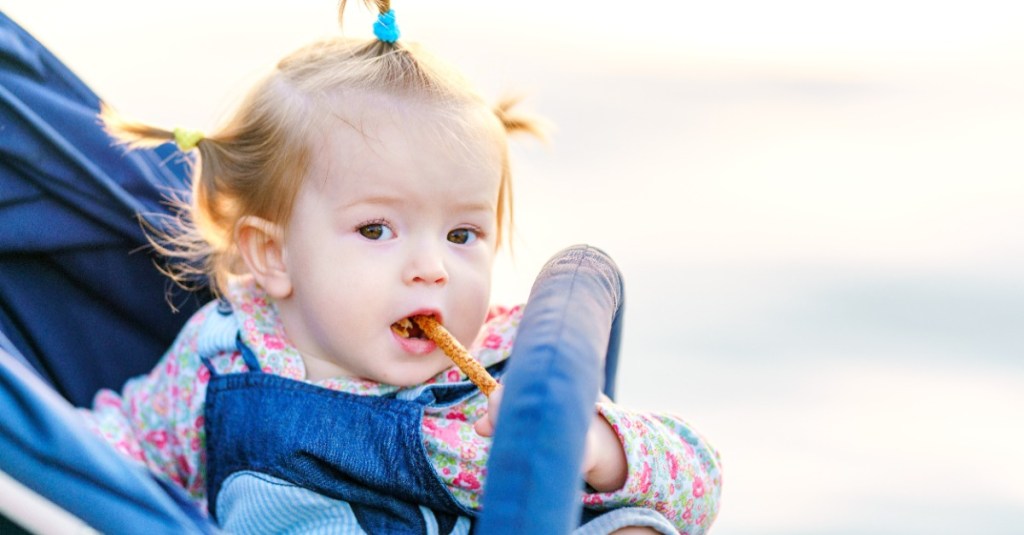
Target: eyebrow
<point x="395" y="200"/>
<point x="474" y="207"/>
<point x="385" y="200"/>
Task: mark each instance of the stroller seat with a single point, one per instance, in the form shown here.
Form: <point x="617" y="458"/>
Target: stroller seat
<point x="83" y="308"/>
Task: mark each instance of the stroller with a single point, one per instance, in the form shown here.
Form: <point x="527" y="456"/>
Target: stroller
<point x="82" y="308"/>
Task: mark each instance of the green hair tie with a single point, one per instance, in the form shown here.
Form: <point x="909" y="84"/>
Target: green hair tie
<point x="187" y="139"/>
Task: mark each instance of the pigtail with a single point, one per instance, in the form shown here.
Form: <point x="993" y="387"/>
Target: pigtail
<point x="515" y="122"/>
<point x="382" y="7"/>
<point x="132" y="133"/>
<point x="195" y="237"/>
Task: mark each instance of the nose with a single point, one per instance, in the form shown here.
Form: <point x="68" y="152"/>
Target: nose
<point x="425" y="266"/>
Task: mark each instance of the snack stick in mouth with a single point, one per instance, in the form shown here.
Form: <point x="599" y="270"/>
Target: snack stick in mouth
<point x="451" y="347"/>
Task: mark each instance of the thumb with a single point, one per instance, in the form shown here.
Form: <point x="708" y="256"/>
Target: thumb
<point x="486" y="424"/>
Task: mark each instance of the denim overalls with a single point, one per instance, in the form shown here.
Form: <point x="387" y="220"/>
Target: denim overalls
<point x="281" y="454"/>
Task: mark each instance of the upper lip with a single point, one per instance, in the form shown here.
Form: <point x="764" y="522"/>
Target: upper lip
<point x="435" y="313"/>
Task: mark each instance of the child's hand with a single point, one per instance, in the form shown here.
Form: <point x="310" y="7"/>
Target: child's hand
<point x="604" y="461"/>
<point x="485" y="425"/>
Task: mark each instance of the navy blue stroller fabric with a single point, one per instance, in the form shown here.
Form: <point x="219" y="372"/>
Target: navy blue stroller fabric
<point x="79" y="296"/>
<point x="82" y="306"/>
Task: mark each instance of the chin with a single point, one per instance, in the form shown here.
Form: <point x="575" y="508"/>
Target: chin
<point x="420" y="375"/>
<point x="405" y="382"/>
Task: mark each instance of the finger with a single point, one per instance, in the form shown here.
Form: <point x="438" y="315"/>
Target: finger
<point x="494" y="403"/>
<point x="484" y="426"/>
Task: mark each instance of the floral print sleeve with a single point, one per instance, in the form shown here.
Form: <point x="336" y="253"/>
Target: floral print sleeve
<point x="157" y="418"/>
<point x="672" y="470"/>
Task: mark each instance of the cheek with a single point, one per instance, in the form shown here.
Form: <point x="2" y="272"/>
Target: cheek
<point x="474" y="294"/>
<point x="358" y="286"/>
<point x="346" y="313"/>
<point x="474" y="267"/>
<point x="339" y="284"/>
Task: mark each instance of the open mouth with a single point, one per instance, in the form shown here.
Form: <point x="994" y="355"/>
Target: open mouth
<point x="407" y="328"/>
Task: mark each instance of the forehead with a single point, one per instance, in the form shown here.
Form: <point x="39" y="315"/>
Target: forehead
<point x="374" y="142"/>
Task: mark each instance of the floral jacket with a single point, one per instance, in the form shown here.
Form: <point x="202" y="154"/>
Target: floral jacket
<point x="158" y="419"/>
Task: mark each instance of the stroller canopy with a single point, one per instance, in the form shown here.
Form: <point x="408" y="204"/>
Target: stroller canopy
<point x="74" y="267"/>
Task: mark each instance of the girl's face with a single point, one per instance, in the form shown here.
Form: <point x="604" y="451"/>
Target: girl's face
<point x="394" y="219"/>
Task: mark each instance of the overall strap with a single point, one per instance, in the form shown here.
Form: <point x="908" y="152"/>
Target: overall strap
<point x="217" y="334"/>
<point x="247" y="355"/>
<point x="209" y="367"/>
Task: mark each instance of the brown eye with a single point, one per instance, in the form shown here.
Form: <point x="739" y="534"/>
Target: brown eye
<point x="462" y="236"/>
<point x="375" y="231"/>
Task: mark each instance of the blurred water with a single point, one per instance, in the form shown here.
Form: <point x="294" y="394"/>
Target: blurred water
<point x="818" y="208"/>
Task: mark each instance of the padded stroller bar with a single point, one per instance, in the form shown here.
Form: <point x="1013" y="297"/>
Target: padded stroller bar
<point x="568" y="335"/>
<point x="47" y="448"/>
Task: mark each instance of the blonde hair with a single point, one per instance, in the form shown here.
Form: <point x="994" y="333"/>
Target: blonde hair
<point x="254" y="164"/>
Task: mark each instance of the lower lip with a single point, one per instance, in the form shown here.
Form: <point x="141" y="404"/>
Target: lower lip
<point x="415" y="346"/>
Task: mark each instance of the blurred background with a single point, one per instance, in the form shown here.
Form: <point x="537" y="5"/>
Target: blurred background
<point x="818" y="207"/>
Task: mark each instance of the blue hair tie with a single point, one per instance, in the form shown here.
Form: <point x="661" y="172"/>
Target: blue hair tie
<point x="385" y="28"/>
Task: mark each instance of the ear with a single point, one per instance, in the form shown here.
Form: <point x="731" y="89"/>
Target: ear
<point x="261" y="244"/>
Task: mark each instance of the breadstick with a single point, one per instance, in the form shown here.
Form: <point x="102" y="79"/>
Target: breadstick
<point x="451" y="347"/>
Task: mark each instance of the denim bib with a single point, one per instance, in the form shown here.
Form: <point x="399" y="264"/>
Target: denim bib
<point x="364" y="450"/>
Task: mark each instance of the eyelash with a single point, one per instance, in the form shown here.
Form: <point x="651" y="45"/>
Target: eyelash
<point x="375" y="221"/>
<point x="378" y="221"/>
<point x="477" y="231"/>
